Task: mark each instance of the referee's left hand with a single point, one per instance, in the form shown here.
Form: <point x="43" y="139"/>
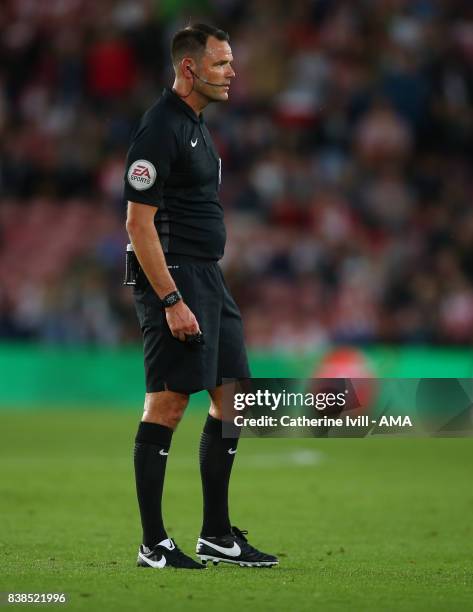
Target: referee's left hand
<point x="181" y="321"/>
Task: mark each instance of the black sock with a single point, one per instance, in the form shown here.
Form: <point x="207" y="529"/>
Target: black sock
<point x="152" y="444"/>
<point x="215" y="467"/>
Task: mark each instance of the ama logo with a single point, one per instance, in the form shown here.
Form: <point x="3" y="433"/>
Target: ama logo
<point x="142" y="174"/>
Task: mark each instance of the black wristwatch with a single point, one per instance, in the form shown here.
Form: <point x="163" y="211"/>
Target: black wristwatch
<point x="171" y="298"/>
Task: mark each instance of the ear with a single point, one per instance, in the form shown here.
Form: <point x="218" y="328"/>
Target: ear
<point x="187" y="67"/>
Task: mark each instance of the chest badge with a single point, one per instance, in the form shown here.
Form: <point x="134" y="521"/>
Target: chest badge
<point x="194" y="142"/>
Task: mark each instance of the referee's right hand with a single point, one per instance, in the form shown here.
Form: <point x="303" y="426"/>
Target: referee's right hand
<point x="181" y="321"/>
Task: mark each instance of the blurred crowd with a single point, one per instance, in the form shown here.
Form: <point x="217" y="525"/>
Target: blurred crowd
<point x="346" y="153"/>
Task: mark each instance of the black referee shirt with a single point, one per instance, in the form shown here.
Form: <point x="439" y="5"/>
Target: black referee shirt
<point x="173" y="164"/>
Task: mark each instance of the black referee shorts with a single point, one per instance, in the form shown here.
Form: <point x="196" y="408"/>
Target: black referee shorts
<point x="187" y="368"/>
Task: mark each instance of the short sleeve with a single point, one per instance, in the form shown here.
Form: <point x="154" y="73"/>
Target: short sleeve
<point x="148" y="164"/>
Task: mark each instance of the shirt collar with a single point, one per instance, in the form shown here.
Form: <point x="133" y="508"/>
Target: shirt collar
<point x="169" y="94"/>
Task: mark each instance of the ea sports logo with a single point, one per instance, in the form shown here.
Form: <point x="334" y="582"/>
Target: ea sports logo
<point x="142" y="174"/>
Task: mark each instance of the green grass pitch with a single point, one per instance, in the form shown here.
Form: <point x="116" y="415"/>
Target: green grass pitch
<point x="373" y="524"/>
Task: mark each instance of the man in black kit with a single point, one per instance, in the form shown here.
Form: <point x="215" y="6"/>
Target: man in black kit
<point x="191" y="326"/>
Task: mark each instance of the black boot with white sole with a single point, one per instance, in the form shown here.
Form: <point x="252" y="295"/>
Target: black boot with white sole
<point x="232" y="548"/>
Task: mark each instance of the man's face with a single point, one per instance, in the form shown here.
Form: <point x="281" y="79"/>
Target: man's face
<point x="215" y="66"/>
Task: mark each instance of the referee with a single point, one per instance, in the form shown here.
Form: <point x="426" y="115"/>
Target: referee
<point x="191" y="326"/>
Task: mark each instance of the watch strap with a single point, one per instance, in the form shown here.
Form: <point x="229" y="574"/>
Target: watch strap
<point x="171" y="298"/>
